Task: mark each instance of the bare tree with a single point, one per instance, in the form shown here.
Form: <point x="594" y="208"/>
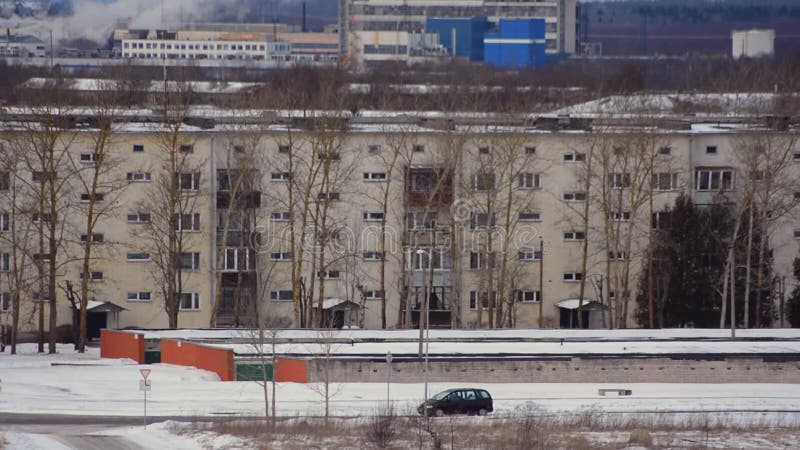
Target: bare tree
<point x="172" y="201"/>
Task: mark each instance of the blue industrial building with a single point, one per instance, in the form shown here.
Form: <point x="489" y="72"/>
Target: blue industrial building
<point x="517" y="43"/>
<point x="468" y="34"/>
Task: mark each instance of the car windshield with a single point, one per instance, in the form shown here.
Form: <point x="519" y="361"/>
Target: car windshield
<point x="441" y="395"/>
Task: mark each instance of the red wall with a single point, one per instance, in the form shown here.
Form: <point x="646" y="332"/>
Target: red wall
<point x="121" y="344"/>
<point x="293" y="370"/>
<point x="216" y="360"/>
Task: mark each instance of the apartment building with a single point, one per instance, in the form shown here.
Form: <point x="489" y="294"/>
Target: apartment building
<point x="364" y="20"/>
<point x="372" y="215"/>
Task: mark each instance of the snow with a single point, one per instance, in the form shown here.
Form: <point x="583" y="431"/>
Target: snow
<point x="111" y="388"/>
<point x="31" y="441"/>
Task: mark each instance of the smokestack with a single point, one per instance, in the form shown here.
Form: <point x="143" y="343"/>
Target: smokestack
<point x="303" y="28"/>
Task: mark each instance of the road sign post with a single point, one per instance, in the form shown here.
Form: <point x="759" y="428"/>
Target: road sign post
<point x="144" y="386"/>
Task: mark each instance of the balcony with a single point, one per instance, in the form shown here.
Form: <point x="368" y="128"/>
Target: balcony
<point x="428" y="187"/>
<point x="243" y="200"/>
<point x="439" y="312"/>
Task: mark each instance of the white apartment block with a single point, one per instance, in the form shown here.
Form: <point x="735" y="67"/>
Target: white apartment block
<point x="457" y="218"/>
<point x="410" y="16"/>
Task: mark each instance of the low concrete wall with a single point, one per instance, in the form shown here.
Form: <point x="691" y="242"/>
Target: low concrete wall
<point x="567" y="370"/>
<point x="122" y="344"/>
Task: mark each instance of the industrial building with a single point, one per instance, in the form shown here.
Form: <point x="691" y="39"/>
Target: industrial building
<point x="414" y="16"/>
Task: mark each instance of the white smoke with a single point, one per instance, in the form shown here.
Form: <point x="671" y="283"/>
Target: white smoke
<point x="96" y="21"/>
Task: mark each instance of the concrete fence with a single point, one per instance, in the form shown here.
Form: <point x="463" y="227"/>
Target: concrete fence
<point x="566" y="370"/>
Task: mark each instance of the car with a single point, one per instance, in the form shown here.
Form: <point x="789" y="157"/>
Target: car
<point x="458" y="401"/>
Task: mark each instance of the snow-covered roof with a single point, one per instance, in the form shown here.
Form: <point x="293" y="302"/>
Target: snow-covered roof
<point x="574" y="303"/>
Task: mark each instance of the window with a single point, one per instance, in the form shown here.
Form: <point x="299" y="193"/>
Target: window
<point x="374" y="149"/>
<point x="618" y="151"/>
<point x="660" y="220"/>
<point x="714" y="179"/>
<point x="329" y="156"/>
<point x="281" y="296"/>
<point x="483" y="182"/>
<point x="574" y="196"/>
<point x="282" y="216"/>
<point x="186" y="148"/>
<point x="284" y="149"/>
<point x="41" y="296"/>
<point x="530" y="255"/>
<point x="419" y="148"/>
<point x="528" y="296"/>
<point x="574" y="157"/>
<point x="530" y="216"/>
<point x="281" y="176"/>
<point x="190" y="260"/>
<point x="665" y="150"/>
<point x="235" y="259"/>
<point x="329" y="196"/>
<point x="329" y="274"/>
<point x="617" y="256"/>
<point x="141" y="296"/>
<point x="5" y="222"/>
<point x="423" y="180"/>
<point x="375" y="176"/>
<point x="481" y="220"/>
<point x="420" y="259"/>
<point x="483" y="150"/>
<point x="529" y="181"/>
<point x="5" y="301"/>
<point x="796" y="157"/>
<point x="711" y="149"/>
<point x="280" y="256"/>
<point x="373" y="216"/>
<point x="98" y="197"/>
<point x="189" y="181"/>
<point x="574" y="235"/>
<point x="484" y="296"/>
<point x="93" y="276"/>
<point x="97" y="238"/>
<point x="5" y="262"/>
<point x="189" y="301"/>
<point x="665" y="181"/>
<point x="138" y="256"/>
<point x="620" y="216"/>
<point x="373" y="294"/>
<point x="419" y="220"/>
<point x="37" y="176"/>
<point x="482" y="260"/>
<point x="5" y="181"/>
<point x="620" y="180"/>
<point x="371" y="256"/>
<point x="238" y="148"/>
<point x="530" y="150"/>
<point x="36" y="217"/>
<point x="187" y="222"/>
<point x="139" y="218"/>
<point x="139" y="177"/>
<point x="572" y="276"/>
<point x="88" y="158"/>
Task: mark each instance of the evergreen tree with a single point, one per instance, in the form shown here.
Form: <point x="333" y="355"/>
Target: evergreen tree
<point x="793" y="302"/>
<point x="689" y="259"/>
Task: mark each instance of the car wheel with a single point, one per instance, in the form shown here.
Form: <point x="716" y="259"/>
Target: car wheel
<point x="439" y="413"/>
<point x="482" y="412"/>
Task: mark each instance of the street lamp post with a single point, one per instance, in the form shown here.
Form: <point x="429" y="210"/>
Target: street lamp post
<point x="541" y="282"/>
<point x="424" y="330"/>
<point x="388" y="378"/>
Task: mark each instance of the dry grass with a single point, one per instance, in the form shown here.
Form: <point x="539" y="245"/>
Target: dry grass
<point x="528" y="429"/>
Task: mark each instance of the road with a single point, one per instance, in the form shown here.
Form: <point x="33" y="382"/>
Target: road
<point x="74" y="432"/>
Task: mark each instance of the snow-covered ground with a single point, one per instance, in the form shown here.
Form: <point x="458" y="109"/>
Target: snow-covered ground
<point x="84" y="384"/>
